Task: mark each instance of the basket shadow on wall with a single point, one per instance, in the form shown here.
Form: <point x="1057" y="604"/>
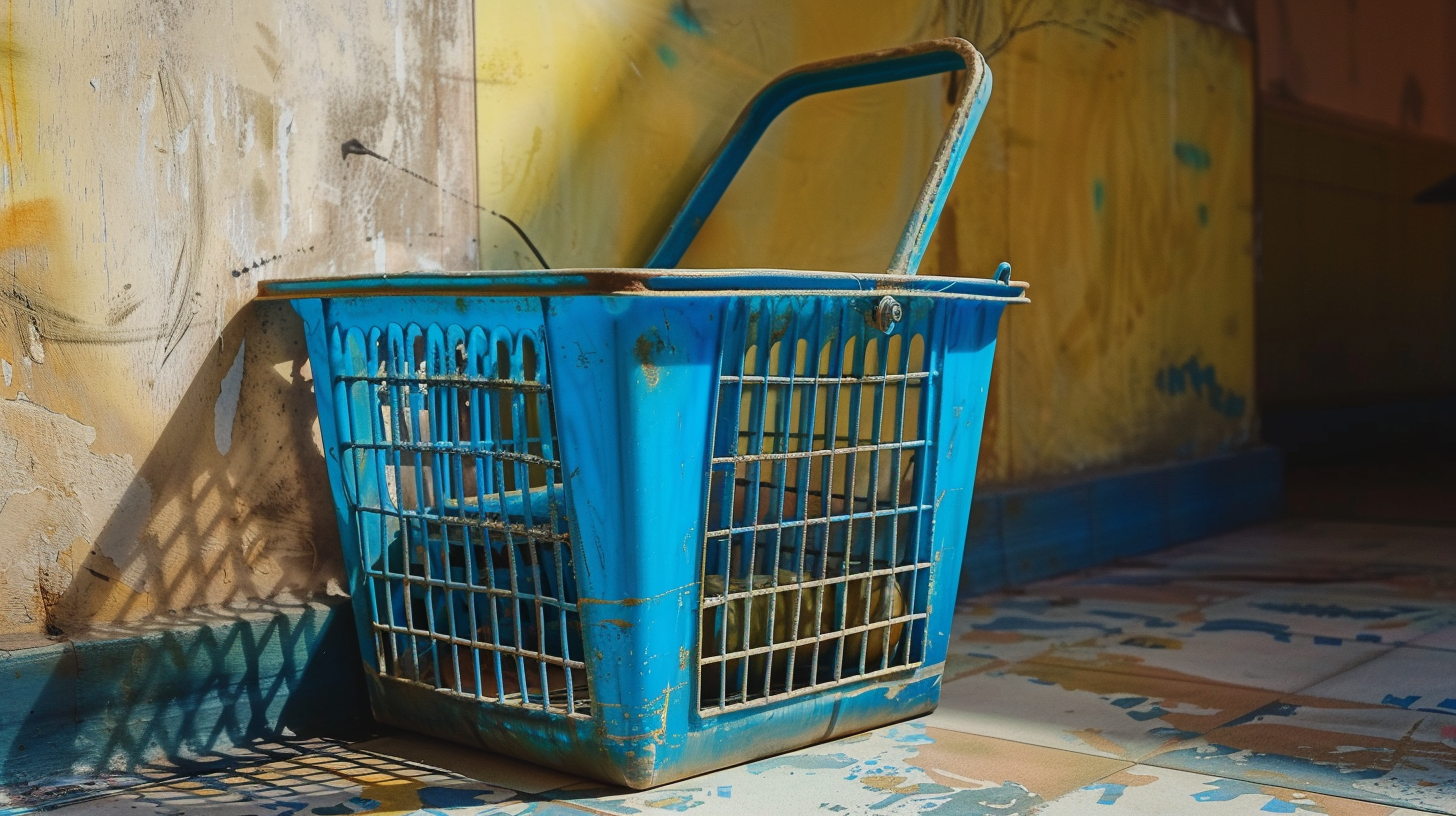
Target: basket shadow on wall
<point x="217" y="648"/>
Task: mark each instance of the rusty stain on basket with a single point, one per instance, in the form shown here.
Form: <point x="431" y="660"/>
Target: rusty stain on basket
<point x="648" y="344"/>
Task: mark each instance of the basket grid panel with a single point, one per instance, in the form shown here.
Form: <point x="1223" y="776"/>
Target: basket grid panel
<point x="816" y="562"/>
<point x="460" y="511"/>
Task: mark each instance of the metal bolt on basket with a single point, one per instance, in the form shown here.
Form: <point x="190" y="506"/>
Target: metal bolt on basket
<point x="643" y="523"/>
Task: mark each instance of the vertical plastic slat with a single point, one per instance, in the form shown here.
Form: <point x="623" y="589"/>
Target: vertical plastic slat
<point x="843" y="562"/>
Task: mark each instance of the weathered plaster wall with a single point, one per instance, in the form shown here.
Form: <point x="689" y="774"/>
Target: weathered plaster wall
<point x="159" y="159"/>
<point x="1113" y="169"/>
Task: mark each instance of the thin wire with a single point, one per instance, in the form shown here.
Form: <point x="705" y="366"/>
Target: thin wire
<point x="354" y="147"/>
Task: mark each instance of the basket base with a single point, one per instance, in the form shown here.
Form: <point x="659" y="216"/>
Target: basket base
<point x="703" y="744"/>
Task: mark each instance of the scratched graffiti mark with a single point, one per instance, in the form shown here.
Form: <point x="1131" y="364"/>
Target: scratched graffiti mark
<point x="262" y="262"/>
<point x="992" y="27"/>
<point x="31" y="227"/>
<point x="1202" y="381"/>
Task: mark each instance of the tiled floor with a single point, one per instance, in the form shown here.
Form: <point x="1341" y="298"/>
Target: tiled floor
<point x="1296" y="668"/>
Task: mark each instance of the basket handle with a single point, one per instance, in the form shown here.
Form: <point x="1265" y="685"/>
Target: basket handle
<point x="873" y="68"/>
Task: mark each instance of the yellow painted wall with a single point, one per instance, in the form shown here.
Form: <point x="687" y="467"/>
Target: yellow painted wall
<point x="1113" y="169"/>
<point x="159" y="159"/>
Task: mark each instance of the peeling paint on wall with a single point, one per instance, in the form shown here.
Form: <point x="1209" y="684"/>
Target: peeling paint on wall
<point x="227" y="404"/>
<point x="57" y="495"/>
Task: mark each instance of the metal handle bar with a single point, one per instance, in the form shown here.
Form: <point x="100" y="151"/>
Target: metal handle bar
<point x="874" y="68"/>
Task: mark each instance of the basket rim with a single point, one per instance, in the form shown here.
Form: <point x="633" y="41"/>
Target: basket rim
<point x="629" y="281"/>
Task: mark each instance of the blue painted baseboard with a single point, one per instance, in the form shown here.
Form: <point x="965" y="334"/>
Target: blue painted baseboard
<point x="208" y="686"/>
<point x="1034" y="532"/>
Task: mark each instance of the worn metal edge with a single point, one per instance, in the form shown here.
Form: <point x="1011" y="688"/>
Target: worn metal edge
<point x="640" y="282"/>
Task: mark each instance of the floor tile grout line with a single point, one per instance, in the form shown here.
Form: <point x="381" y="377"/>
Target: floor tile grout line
<point x="1344" y="671"/>
<point x="1188" y="679"/>
<point x="1441" y="605"/>
<point x="1279" y="695"/>
<point x="1213" y="775"/>
<point x="1074" y="751"/>
<point x="1449" y="650"/>
<point x="1150" y="761"/>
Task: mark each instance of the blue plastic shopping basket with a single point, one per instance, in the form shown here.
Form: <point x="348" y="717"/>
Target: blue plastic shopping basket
<point x="642" y="523"/>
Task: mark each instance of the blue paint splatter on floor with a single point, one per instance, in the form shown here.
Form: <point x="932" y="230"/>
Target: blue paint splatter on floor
<point x="1337" y="610"/>
<point x="1111" y="792"/>
<point x="909" y="734"/>
<point x="1227" y="790"/>
<point x="357" y="804"/>
<point x="1278" y="631"/>
<point x="1150" y="621"/>
<point x="1018" y="624"/>
<point x="1174" y="733"/>
<point x="433" y="797"/>
<point x="1008" y="798"/>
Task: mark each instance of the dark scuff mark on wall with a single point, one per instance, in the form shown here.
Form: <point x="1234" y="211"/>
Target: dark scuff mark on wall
<point x="262" y="262"/>
<point x="55" y="324"/>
